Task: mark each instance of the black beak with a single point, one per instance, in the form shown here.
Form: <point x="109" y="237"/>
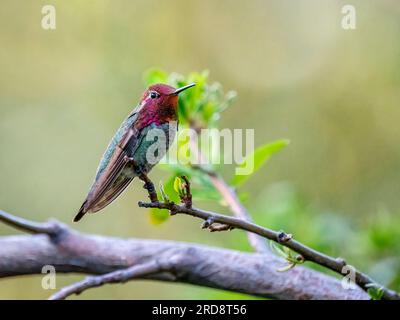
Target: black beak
<point x="179" y="90"/>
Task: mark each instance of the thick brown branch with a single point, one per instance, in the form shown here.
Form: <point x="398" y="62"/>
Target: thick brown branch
<point x="307" y="253"/>
<point x="250" y="273"/>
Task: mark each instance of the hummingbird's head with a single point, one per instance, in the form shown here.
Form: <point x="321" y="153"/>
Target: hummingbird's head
<point x="161" y="100"/>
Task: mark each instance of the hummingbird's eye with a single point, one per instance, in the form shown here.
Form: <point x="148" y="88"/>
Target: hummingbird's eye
<point x="154" y="94"/>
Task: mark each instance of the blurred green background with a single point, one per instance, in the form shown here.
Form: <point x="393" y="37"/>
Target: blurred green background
<point x="334" y="93"/>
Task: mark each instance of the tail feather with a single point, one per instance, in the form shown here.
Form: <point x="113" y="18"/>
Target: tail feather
<point x="108" y="196"/>
<point x="81" y="213"/>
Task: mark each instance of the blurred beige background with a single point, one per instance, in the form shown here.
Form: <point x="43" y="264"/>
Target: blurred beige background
<point x="334" y="93"/>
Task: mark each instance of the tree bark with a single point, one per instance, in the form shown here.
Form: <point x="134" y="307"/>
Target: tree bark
<point x="251" y="273"/>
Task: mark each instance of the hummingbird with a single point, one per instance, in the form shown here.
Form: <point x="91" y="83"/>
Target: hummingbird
<point x="126" y="156"/>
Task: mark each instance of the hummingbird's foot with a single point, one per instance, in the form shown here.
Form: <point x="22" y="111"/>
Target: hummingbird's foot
<point x="141" y="173"/>
<point x="139" y="170"/>
<point x="149" y="186"/>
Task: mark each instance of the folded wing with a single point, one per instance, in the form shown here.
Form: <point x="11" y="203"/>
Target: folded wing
<point x="113" y="175"/>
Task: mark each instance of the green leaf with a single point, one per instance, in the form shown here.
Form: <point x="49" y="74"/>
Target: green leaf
<point x="374" y="291"/>
<point x="202" y="187"/>
<point x="208" y="111"/>
<point x="178" y="185"/>
<point x="164" y="195"/>
<point x="259" y="156"/>
<point x="282" y="251"/>
<point x="291" y="258"/>
<point x="169" y="190"/>
<point x="158" y="216"/>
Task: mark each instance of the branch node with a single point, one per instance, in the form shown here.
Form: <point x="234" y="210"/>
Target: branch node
<point x="186" y="196"/>
<point x="207" y="223"/>
<point x="172" y="210"/>
<point x="220" y="227"/>
<point x="284" y="237"/>
<point x="341" y="261"/>
<point x="225" y="223"/>
<point x="300" y="258"/>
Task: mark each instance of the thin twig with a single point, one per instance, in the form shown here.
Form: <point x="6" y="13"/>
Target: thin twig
<point x="308" y="254"/>
<point x="119" y="276"/>
<point x="254" y="232"/>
